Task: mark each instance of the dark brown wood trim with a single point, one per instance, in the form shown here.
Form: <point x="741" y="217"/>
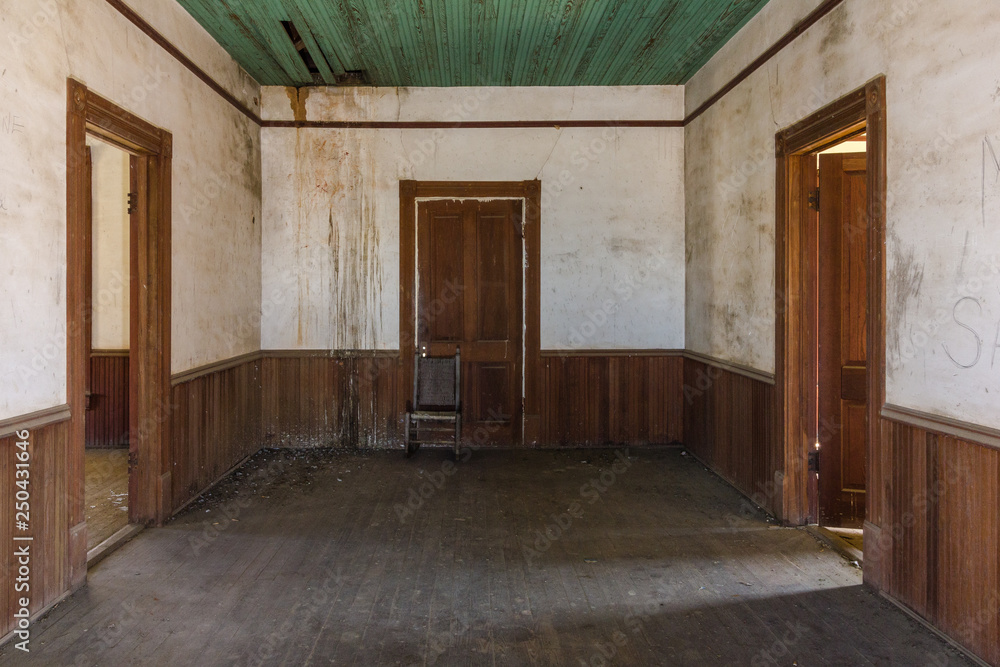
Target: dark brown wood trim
<point x="531" y="193"/>
<point x="947" y="426"/>
<point x="33" y="420"/>
<point x="745" y="73"/>
<point x="465" y="125"/>
<point x="149" y="367"/>
<point x="863" y="109"/>
<point x="737" y="369"/>
<point x="214" y="367"/>
<point x="328" y="354"/>
<point x="109" y="353"/>
<point x="556" y="353"/>
<point x="179" y="56"/>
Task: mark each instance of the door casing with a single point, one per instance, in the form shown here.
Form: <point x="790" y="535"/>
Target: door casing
<point x="149" y="364"/>
<point x="410" y="192"/>
<point x="795" y="355"/>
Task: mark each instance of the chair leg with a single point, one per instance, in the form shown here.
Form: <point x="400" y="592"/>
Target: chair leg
<point x="406" y="436"/>
<point x="458" y="435"/>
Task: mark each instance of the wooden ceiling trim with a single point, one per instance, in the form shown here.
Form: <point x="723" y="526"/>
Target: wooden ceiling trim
<point x="178" y="55"/>
<point x="500" y="47"/>
<point x="762" y="60"/>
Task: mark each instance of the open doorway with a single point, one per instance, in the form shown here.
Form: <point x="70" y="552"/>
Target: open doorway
<point x="96" y="125"/>
<point x="106" y="467"/>
<point x="830" y="305"/>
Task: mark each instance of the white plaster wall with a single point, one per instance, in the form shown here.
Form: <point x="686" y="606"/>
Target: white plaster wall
<point x="943" y="76"/>
<point x="216" y="183"/>
<point x="612" y="265"/>
<point x="110" y="257"/>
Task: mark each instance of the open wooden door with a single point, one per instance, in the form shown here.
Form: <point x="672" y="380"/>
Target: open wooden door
<point x="842" y="339"/>
<point x="470" y="294"/>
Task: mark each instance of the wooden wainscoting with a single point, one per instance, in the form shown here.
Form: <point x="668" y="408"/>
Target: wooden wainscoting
<point x="934" y="528"/>
<point x="52" y="570"/>
<point x="325" y="398"/>
<point x="600" y="397"/>
<point x="215" y="423"/>
<point x="107" y="405"/>
<point x="730" y="420"/>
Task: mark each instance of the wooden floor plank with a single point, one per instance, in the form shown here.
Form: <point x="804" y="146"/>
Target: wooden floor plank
<point x="354" y="558"/>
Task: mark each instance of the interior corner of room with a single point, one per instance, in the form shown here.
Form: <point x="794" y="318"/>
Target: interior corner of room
<point x="727" y="270"/>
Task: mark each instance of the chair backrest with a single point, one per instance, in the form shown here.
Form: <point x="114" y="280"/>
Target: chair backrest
<point x="437" y="382"/>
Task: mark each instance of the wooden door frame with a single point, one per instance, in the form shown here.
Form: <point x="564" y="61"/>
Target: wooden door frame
<point x="795" y="358"/>
<point x="531" y="193"/>
<point x="149" y="319"/>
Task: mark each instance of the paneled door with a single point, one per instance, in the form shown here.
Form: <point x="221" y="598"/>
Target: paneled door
<point x="470" y="294"/>
<point x="843" y="347"/>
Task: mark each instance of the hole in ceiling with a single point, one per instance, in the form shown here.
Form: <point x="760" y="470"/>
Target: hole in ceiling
<point x="300" y="47"/>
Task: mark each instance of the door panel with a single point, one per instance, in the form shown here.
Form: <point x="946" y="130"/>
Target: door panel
<point x="469" y="294"/>
<point x="843" y="289"/>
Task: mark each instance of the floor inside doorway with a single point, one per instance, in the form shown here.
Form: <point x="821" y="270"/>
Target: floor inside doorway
<point x="106" y="493"/>
<point x="534" y="557"/>
<point x="853" y="536"/>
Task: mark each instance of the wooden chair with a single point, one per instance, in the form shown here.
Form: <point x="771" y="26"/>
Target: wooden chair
<point x="434" y="416"/>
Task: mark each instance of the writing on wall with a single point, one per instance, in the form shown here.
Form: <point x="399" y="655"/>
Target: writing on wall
<point x="974" y="342"/>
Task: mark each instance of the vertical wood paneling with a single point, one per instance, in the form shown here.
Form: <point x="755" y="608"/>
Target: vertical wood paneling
<point x="349" y="400"/>
<point x="215" y="423"/>
<point x="729" y="424"/>
<point x="940" y="534"/>
<point x="597" y="399"/>
<point x="108" y="409"/>
<point x="49" y="520"/>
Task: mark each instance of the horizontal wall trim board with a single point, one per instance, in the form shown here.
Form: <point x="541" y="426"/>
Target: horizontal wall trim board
<point x="555" y="353"/>
<point x="109" y="353"/>
<point x="738" y="369"/>
<point x="33" y="420"/>
<point x="179" y="56"/>
<point x="215" y="367"/>
<point x="974" y="433"/>
<point x="332" y="354"/>
<point x="463" y="125"/>
<point x="762" y="60"/>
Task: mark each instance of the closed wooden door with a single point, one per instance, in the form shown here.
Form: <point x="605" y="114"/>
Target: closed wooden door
<point x="469" y="294"/>
<point x="843" y="346"/>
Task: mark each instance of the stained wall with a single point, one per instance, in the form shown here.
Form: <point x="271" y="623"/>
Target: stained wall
<point x="612" y="265"/>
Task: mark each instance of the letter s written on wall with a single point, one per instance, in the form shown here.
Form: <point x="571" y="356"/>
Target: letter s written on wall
<point x="971" y="341"/>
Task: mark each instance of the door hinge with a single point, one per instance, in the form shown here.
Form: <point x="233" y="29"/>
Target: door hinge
<point x="814" y="462"/>
<point x="133" y="202"/>
<point x="814" y="199"/>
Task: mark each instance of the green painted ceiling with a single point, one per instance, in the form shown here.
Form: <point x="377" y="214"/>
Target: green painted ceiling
<point x="473" y="42"/>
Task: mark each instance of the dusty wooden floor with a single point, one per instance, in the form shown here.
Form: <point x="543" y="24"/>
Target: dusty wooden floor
<point x="313" y="558"/>
<point x="105" y="493"/>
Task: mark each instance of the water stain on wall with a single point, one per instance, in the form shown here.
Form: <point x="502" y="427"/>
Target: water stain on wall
<point x="297" y="97"/>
